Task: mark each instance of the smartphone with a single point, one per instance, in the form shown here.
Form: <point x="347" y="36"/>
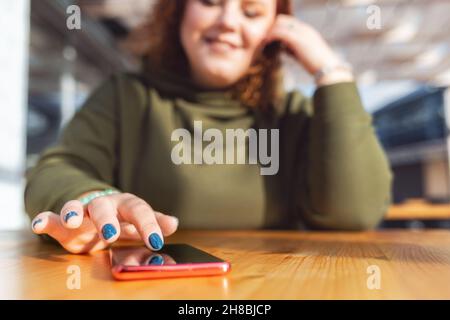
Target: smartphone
<point x="174" y="260"/>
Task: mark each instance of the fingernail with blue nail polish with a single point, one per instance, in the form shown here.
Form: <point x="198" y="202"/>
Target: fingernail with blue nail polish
<point x="155" y="241"/>
<point x="156" y="260"/>
<point x="70" y="215"/>
<point x="108" y="231"/>
<point x="35" y="222"/>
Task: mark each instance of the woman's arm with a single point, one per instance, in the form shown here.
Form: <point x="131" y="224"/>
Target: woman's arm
<point x="346" y="180"/>
<point x="82" y="160"/>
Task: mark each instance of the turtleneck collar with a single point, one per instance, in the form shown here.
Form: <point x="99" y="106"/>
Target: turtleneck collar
<point x="180" y="86"/>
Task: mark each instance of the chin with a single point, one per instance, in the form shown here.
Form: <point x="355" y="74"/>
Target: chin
<point x="224" y="75"/>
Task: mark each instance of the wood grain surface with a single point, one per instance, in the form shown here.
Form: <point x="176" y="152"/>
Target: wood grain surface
<point x="265" y="265"/>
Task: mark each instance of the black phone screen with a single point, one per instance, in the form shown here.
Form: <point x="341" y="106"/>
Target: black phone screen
<point x="170" y="254"/>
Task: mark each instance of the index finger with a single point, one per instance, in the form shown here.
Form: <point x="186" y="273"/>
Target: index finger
<point x="141" y="215"/>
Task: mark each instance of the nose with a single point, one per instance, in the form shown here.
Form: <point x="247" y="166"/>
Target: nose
<point x="229" y="17"/>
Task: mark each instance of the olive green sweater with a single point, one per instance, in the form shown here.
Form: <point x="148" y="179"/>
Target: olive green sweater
<point x="332" y="173"/>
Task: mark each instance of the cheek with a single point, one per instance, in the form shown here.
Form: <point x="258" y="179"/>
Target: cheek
<point x="255" y="36"/>
<point x="190" y="31"/>
<point x="195" y="22"/>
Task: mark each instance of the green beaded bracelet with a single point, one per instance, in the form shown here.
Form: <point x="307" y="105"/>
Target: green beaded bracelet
<point x="86" y="199"/>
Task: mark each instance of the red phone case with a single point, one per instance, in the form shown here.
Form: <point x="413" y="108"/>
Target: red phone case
<point x="122" y="272"/>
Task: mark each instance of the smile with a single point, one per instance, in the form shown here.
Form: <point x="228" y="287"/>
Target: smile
<point x="220" y="46"/>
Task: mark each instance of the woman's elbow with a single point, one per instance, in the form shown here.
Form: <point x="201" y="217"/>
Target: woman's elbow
<point x="351" y="218"/>
<point x="361" y="221"/>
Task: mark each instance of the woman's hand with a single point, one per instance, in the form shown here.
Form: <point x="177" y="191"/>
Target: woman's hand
<point x="104" y="220"/>
<point x="308" y="47"/>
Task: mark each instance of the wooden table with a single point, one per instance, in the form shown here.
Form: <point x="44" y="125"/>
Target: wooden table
<point x="418" y="210"/>
<point x="265" y="265"/>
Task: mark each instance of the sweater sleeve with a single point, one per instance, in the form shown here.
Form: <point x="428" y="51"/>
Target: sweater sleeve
<point x="83" y="158"/>
<point x="346" y="177"/>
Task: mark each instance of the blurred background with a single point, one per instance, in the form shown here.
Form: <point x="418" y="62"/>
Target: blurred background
<point x="399" y="50"/>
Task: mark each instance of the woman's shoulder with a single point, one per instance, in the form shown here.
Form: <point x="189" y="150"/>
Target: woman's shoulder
<point x="126" y="88"/>
<point x="294" y="102"/>
<point x="120" y="83"/>
<point x="128" y="81"/>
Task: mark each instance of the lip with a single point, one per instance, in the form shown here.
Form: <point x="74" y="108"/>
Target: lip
<point x="221" y="42"/>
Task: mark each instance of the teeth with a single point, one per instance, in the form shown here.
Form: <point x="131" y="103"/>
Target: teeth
<point x="221" y="43"/>
<point x="217" y="41"/>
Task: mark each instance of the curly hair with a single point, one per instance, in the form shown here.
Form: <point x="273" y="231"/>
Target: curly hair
<point x="260" y="88"/>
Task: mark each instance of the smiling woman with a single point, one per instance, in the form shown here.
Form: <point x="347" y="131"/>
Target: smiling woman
<point x="216" y="63"/>
<point x="221" y="56"/>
